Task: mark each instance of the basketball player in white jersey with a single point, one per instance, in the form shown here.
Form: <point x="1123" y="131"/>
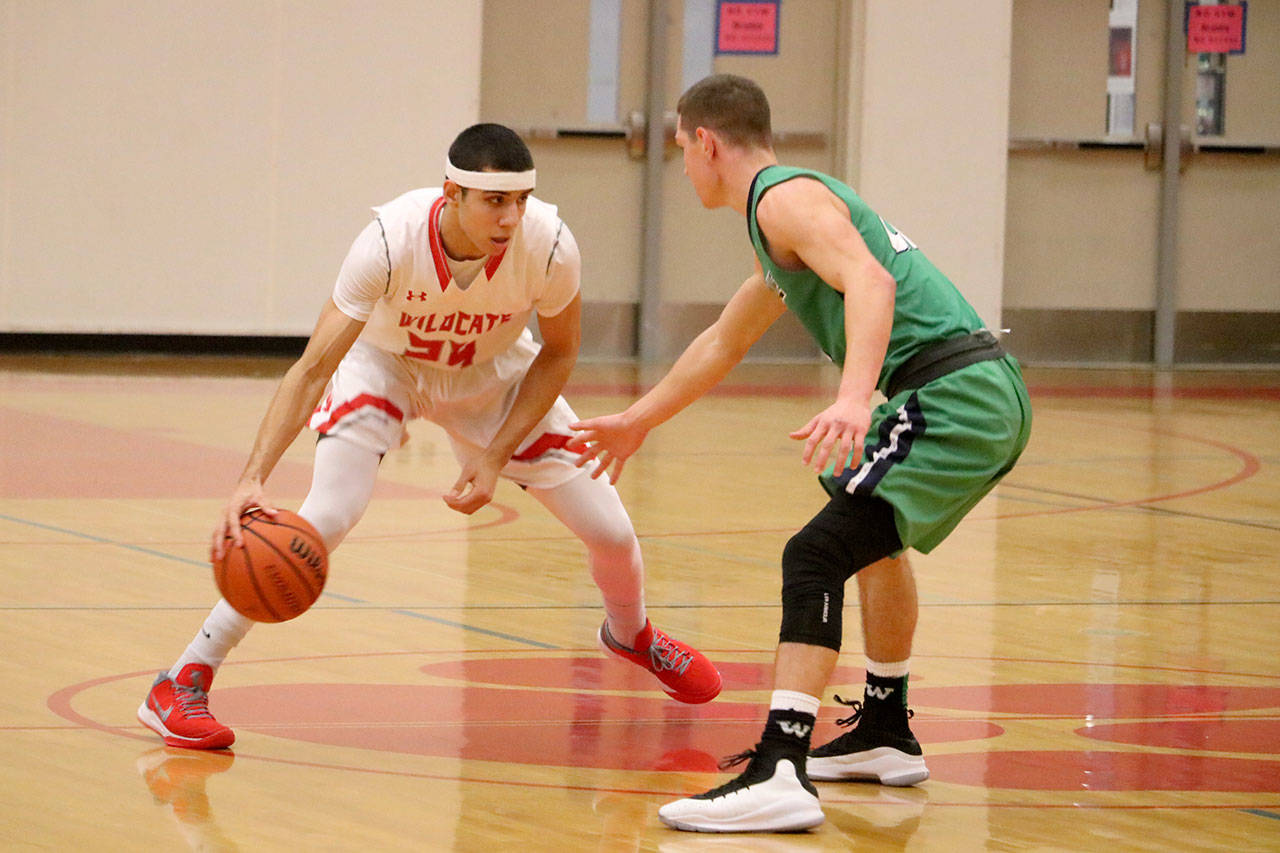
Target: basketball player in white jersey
<point x="428" y="320"/>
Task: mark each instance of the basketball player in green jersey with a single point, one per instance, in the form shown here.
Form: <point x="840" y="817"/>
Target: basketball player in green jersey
<point x="901" y="475"/>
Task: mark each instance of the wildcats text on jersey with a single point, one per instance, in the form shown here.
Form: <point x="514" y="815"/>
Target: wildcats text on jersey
<point x="460" y="354"/>
<point x="458" y="322"/>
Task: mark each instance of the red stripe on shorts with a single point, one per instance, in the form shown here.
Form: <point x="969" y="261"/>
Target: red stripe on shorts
<point x="359" y="403"/>
<point x="546" y="441"/>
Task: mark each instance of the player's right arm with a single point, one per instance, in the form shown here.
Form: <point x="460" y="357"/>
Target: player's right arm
<point x="290" y="408"/>
<point x="363" y="279"/>
<point x="611" y="439"/>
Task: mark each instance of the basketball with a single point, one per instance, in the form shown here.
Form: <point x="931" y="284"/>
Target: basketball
<point x="280" y="571"/>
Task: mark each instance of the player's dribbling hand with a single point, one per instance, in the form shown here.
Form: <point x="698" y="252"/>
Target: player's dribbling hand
<point x="248" y="494"/>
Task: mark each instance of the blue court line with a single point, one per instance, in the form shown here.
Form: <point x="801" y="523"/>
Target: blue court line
<point x="184" y="560"/>
<point x="149" y="552"/>
<point x="1263" y="813"/>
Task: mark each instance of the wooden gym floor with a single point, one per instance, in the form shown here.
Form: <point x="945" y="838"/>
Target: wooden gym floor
<point x="1096" y="666"/>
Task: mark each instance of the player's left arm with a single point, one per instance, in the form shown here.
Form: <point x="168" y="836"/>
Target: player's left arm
<point x="561" y="336"/>
<point x="805" y="221"/>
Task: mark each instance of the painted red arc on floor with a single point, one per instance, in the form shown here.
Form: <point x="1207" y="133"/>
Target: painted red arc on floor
<point x="593" y="713"/>
<point x="607" y="715"/>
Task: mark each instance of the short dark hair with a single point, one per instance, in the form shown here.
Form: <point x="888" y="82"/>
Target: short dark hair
<point x="732" y="106"/>
<point x="490" y="147"/>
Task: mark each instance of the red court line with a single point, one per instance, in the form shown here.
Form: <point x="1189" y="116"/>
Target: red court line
<point x="60" y="703"/>
<point x="1146" y="392"/>
<point x="1131" y="392"/>
<point x="635" y="389"/>
<point x="1250" y="465"/>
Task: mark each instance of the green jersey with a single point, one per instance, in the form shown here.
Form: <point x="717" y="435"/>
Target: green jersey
<point x="927" y="306"/>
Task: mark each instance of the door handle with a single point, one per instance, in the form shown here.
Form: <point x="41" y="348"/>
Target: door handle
<point x="1153" y="149"/>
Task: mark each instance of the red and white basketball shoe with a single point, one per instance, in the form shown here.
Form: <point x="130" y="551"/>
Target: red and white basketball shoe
<point x="177" y="709"/>
<point x="686" y="674"/>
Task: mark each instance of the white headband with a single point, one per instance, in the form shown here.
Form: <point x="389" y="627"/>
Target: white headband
<point x="495" y="181"/>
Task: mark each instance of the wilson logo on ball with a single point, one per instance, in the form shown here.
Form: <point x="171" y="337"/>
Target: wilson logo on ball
<point x="280" y="571"/>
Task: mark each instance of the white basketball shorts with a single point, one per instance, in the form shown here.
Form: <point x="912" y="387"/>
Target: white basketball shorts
<point x="373" y="394"/>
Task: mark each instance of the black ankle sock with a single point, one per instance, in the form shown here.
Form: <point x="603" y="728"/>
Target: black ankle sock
<point x="787" y="733"/>
<point x="884" y="700"/>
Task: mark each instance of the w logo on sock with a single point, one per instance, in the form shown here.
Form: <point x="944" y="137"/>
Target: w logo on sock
<point x="797" y="729"/>
<point x="879" y="692"/>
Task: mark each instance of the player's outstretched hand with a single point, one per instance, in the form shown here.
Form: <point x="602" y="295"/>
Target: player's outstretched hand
<point x="841" y="427"/>
<point x="608" y="441"/>
<point x="248" y="494"/>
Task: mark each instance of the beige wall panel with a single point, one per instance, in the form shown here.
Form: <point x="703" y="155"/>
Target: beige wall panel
<point x="1253" y="79"/>
<point x="1228" y="252"/>
<point x="934" y="134"/>
<point x="526" y="53"/>
<point x="202" y="168"/>
<point x="1059" y="69"/>
<point x="370" y="97"/>
<point x="707" y="254"/>
<point x="1229" y="257"/>
<point x="801" y="80"/>
<point x="606" y="223"/>
<point x="598" y="188"/>
<point x="534" y="78"/>
<point x="132" y="164"/>
<point x="1097" y="211"/>
<point x="1081" y="231"/>
<point x="1150" y="71"/>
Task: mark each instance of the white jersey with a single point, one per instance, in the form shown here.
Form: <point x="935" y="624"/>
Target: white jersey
<point x="436" y="312"/>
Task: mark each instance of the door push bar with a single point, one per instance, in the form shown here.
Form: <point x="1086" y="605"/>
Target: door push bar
<point x="1152" y="146"/>
<point x="634" y="133"/>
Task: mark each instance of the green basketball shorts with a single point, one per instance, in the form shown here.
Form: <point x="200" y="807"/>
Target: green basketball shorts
<point x="934" y="452"/>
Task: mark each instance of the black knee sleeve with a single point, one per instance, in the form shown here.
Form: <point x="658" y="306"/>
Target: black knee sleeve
<point x="850" y="532"/>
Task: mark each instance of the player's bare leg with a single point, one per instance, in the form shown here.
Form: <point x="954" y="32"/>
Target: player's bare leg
<point x="879" y="746"/>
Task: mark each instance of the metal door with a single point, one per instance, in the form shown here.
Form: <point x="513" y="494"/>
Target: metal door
<point x="592" y="86"/>
<point x="1125" y="245"/>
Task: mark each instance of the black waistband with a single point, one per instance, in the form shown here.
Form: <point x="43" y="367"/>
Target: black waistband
<point x="942" y="358"/>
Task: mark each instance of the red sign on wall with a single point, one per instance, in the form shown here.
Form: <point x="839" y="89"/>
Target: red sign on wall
<point x="1215" y="29"/>
<point x="747" y="26"/>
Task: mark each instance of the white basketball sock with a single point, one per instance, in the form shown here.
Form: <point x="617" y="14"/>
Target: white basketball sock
<point x="891" y="669"/>
<point x="341" y="484"/>
<point x="794" y="700"/>
<point x="222" y="630"/>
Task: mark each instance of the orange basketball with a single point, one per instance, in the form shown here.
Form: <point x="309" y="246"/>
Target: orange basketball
<point x="279" y="572"/>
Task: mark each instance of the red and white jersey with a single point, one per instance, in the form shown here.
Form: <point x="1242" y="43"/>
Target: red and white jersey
<point x="441" y="313"/>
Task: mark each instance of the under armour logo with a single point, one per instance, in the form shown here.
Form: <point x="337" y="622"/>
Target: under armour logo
<point x="797" y="729"/>
<point x="879" y="692"/>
